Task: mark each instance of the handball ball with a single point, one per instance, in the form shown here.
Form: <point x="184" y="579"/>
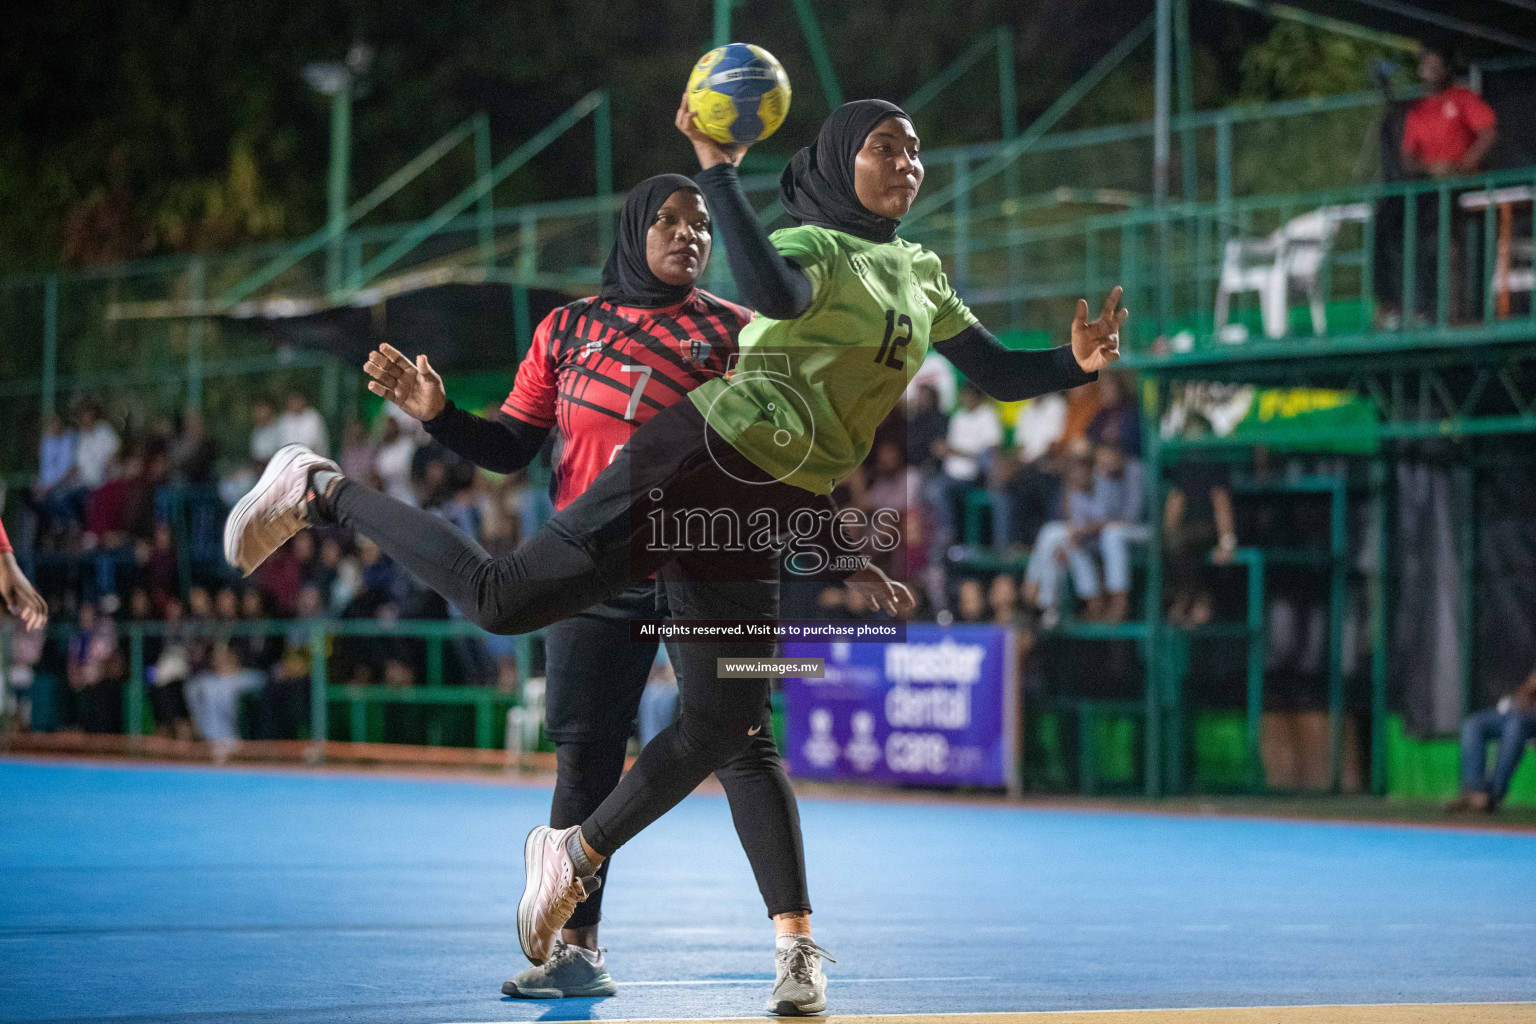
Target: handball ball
<point x="738" y="93"/>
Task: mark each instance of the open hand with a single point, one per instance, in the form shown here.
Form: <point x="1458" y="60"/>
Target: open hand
<point x="415" y="387"/>
<point x="872" y="588"/>
<point x="19" y="596"/>
<point x="708" y="150"/>
<point x="1096" y="343"/>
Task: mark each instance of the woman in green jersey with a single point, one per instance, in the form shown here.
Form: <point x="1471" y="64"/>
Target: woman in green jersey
<point x="711" y="494"/>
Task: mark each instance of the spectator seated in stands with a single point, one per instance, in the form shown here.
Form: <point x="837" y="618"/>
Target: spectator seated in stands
<point x="260" y="651"/>
<point x="1003" y="596"/>
<point x="1512" y="724"/>
<point x="970" y="601"/>
<point x="167" y="666"/>
<point x="285" y="696"/>
<point x="266" y="434"/>
<point x="658" y="701"/>
<point x="1198" y="523"/>
<point x="1063" y="545"/>
<point x="357" y="450"/>
<point x="193" y="452"/>
<point x="1023" y="482"/>
<point x="893" y="486"/>
<point x="55" y="473"/>
<point x="1118" y="421"/>
<point x="974" y="433"/>
<point x="1103" y="506"/>
<point x="95" y="447"/>
<point x="1118" y="496"/>
<point x="926" y="427"/>
<point x="214" y="697"/>
<point x="392" y="461"/>
<point x="92" y="445"/>
<point x="301" y="423"/>
<point x="96" y="673"/>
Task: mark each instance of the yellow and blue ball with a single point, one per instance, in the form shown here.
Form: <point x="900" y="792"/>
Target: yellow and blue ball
<point x="738" y="93"/>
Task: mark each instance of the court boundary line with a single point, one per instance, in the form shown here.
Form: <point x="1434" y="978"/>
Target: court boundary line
<point x="1044" y="1013"/>
<point x="804" y="789"/>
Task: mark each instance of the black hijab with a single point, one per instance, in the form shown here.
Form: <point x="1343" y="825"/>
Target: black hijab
<point x="817" y="186"/>
<point x="627" y="277"/>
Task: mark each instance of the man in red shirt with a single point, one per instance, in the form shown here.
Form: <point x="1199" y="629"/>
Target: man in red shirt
<point x="1449" y="131"/>
<point x="16" y="592"/>
<point x="1445" y="134"/>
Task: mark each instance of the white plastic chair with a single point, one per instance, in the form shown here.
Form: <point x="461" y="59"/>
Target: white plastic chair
<point x="1292" y="255"/>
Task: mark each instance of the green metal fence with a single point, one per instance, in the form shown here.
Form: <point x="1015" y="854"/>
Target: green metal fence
<point x="144" y="334"/>
<point x="1171" y="260"/>
<point x="488" y="704"/>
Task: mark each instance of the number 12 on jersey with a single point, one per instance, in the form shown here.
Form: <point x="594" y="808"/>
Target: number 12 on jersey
<point x="893" y="341"/>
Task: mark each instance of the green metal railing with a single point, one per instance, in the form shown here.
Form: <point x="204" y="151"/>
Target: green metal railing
<point x="317" y="635"/>
<point x="152" y="313"/>
<point x="1170" y="263"/>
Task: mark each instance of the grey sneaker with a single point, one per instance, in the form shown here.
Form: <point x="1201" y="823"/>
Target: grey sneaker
<point x="568" y="973"/>
<point x="801" y="985"/>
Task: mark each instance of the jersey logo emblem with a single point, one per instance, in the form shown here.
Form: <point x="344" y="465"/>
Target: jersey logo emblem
<point x="859" y="264"/>
<point x="591" y="347"/>
<point x="698" y="350"/>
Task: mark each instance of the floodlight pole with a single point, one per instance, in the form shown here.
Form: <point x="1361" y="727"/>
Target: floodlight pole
<point x="197" y="326"/>
<point x="1183" y="52"/>
<point x="486" y="205"/>
<point x="1008" y="106"/>
<point x="825" y="73"/>
<point x="1161" y="122"/>
<point x="1162" y="101"/>
<point x="50" y="346"/>
<point x="341" y="173"/>
<point x="722" y="22"/>
<point x="602" y="127"/>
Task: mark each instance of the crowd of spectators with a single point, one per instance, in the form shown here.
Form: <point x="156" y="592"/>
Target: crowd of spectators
<point x="1021" y="513"/>
<point x="1003" y="505"/>
<point x="124" y="525"/>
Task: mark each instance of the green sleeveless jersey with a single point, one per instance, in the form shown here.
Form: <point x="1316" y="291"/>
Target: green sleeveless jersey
<point x="804" y="396"/>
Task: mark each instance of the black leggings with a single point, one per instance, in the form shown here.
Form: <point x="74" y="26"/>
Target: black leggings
<point x="592" y="550"/>
<point x="596" y="678"/>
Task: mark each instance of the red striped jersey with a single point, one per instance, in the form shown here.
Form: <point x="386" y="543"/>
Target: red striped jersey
<point x="597" y="370"/>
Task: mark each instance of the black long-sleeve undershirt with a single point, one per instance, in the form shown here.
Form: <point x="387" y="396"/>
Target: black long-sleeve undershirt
<point x="778" y="288"/>
<point x="1011" y="375"/>
<point x="770" y="283"/>
<point x="504" y="445"/>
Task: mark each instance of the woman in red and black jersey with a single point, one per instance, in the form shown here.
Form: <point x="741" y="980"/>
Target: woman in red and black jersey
<point x="597" y="369"/>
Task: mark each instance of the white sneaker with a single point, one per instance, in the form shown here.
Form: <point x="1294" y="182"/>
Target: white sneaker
<point x="550" y="892"/>
<point x="800" y="985"/>
<point x="274" y="510"/>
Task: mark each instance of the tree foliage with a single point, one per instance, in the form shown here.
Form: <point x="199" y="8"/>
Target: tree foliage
<point x="151" y="126"/>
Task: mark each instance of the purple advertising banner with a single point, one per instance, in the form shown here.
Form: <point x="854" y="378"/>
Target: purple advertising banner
<point x="938" y="710"/>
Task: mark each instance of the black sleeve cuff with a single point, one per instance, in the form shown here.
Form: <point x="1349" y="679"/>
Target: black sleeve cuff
<point x="505" y="445"/>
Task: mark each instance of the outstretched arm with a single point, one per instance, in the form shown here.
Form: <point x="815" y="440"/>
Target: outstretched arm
<point x="769" y="283"/>
<point x="505" y="445"/>
<point x="1011" y="375"/>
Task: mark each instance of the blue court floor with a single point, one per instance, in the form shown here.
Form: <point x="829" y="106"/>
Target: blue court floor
<point x="186" y="895"/>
